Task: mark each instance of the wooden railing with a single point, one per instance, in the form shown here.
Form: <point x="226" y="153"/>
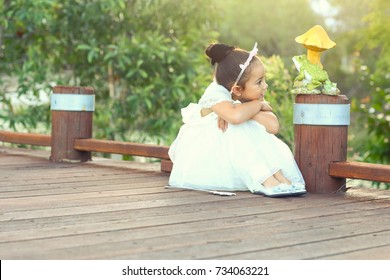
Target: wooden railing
<point x="124" y="148"/>
<point x="94" y="145"/>
<point x="353" y="170"/>
<point x="34" y="139"/>
<point x="360" y="170"/>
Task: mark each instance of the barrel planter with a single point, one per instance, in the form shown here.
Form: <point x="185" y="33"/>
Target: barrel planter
<point x="321" y="136"/>
<point x="72" y="113"/>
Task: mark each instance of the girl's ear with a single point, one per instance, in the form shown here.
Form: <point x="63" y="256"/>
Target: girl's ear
<point x="237" y="90"/>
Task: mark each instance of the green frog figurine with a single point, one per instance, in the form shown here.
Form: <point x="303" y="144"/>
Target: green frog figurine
<point x="312" y="79"/>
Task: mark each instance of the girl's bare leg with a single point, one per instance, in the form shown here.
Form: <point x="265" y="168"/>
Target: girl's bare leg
<point x="271" y="182"/>
<point x="276" y="179"/>
<point x="281" y="178"/>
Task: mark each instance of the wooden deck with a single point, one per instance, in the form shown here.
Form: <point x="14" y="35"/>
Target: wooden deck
<point x="108" y="209"/>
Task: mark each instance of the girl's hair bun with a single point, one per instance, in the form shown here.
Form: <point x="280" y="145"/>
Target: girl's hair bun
<point x="217" y="52"/>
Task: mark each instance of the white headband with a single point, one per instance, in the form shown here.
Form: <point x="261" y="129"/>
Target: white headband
<point x="243" y="67"/>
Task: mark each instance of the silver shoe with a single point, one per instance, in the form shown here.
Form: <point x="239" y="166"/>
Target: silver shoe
<point x="276" y="191"/>
<point x="298" y="189"/>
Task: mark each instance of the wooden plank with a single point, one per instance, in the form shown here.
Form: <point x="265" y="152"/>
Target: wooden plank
<point x="25" y="138"/>
<point x="97" y="237"/>
<point x="335" y="246"/>
<point x="360" y="170"/>
<point x="74" y="183"/>
<point x="215" y="239"/>
<point x="376" y="253"/>
<point x="126" y="148"/>
<point x="221" y="242"/>
<point x="181" y="216"/>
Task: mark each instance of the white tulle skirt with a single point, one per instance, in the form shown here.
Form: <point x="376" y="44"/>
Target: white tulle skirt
<point x="241" y="158"/>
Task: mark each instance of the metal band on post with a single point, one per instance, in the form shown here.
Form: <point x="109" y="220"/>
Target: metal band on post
<point x="73" y="102"/>
<point x="322" y="114"/>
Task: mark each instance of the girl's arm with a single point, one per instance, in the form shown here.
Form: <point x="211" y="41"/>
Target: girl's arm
<point x="238" y="113"/>
<point x="269" y="120"/>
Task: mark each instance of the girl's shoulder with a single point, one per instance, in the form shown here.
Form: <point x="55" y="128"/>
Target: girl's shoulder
<point x="214" y="94"/>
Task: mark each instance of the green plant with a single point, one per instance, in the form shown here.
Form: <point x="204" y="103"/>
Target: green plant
<point x="279" y="95"/>
<point x="374" y="108"/>
<point x="144" y="59"/>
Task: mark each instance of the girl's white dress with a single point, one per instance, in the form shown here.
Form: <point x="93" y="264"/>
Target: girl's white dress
<point x="240" y="158"/>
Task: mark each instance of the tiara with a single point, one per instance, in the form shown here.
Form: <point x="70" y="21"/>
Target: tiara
<point x="243" y="67"/>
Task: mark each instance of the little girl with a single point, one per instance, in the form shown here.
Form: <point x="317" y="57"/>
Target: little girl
<point x="227" y="141"/>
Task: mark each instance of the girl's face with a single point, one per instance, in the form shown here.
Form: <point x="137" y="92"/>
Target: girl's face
<point x="256" y="86"/>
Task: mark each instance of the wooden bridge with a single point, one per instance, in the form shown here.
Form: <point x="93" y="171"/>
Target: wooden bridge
<point x="106" y="209"/>
<point x="58" y="204"/>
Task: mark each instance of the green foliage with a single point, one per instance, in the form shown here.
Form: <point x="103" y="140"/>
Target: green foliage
<point x="145" y="64"/>
<point x="144" y="59"/>
<point x="375" y="108"/>
<point x="273" y="24"/>
<point x="377" y="115"/>
<point x="279" y="95"/>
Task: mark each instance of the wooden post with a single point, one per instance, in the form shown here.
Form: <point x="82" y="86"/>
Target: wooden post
<point x="321" y="135"/>
<point x="72" y="111"/>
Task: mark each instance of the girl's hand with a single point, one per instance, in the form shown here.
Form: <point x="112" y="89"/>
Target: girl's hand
<point x="266" y="107"/>
<point x="268" y="120"/>
<point x="222" y="124"/>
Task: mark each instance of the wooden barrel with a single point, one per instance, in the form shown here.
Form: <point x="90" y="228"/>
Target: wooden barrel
<point x="72" y="112"/>
<point x="321" y="136"/>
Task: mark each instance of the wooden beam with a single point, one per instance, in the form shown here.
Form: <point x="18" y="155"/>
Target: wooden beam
<point x="166" y="165"/>
<point x="126" y="148"/>
<point x="25" y="138"/>
<point x="360" y="170"/>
